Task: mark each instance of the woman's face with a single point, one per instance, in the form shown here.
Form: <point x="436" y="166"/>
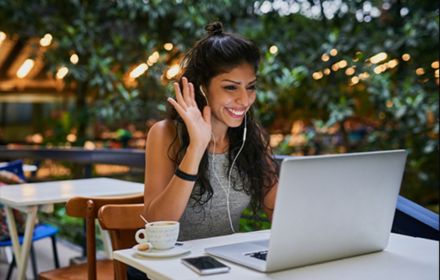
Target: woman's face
<point x="231" y="94"/>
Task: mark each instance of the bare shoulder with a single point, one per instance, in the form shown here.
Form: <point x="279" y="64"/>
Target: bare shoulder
<point x="163" y="128"/>
<point x="162" y="134"/>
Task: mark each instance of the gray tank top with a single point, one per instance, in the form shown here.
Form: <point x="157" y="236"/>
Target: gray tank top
<point x="211" y="219"/>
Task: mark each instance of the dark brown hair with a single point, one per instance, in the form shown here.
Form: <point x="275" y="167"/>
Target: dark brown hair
<point x="219" y="52"/>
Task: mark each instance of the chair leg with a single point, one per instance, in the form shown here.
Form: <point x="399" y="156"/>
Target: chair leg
<point x="11" y="267"/>
<point x="34" y="262"/>
<point x="55" y="251"/>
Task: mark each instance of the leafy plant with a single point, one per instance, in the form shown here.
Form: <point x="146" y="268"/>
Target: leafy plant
<point x="301" y="42"/>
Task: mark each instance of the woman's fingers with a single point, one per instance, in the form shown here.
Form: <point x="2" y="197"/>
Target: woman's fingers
<point x="187" y="89"/>
<point x="185" y="96"/>
<point x="179" y="97"/>
<point x="192" y="94"/>
<point x="180" y="110"/>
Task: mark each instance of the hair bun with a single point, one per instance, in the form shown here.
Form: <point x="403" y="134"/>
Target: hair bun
<point x="214" y="28"/>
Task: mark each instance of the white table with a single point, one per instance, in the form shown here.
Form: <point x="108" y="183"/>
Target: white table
<point x="404" y="258"/>
<point x="30" y="198"/>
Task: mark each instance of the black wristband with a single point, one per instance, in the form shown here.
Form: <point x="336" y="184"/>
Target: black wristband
<point x="185" y="176"/>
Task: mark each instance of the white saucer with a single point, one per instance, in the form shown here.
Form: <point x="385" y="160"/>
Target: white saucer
<point x="176" y="251"/>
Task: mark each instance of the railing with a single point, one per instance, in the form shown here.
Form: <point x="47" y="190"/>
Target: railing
<point x="410" y="218"/>
<point x="87" y="158"/>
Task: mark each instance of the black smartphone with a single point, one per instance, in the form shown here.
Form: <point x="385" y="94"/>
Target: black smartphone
<point x="205" y="265"/>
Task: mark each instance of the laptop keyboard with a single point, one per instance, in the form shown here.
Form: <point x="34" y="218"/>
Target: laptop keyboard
<point x="261" y="255"/>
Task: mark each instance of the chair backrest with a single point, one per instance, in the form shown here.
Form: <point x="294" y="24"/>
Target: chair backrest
<point x="121" y="221"/>
<point x="15" y="167"/>
<point x="88" y="207"/>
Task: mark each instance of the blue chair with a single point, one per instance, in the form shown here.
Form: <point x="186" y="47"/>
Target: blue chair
<point x="414" y="220"/>
<point x="41" y="230"/>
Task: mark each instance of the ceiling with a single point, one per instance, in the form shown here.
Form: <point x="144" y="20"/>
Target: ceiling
<point x="24" y="76"/>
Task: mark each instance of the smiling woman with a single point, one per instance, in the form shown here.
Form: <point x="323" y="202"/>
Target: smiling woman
<point x="210" y="158"/>
<point x="232" y="94"/>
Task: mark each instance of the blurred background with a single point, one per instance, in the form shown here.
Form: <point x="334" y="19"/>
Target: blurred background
<point x="336" y="76"/>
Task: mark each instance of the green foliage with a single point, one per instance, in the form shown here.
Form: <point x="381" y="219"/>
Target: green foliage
<point x="250" y="222"/>
<point x="70" y="227"/>
<point x="394" y="109"/>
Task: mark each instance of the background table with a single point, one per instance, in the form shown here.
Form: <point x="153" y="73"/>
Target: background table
<point x="404" y="258"/>
<point x="32" y="197"/>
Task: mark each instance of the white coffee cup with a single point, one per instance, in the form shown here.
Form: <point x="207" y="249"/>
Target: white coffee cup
<point x="160" y="235"/>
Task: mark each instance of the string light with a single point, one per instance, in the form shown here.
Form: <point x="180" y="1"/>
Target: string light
<point x="2" y="37"/>
<point x="317" y="75"/>
<point x="406" y="57"/>
<point x="335" y="67"/>
<point x="37" y="138"/>
<point x="350" y="71"/>
<point x="46" y="40"/>
<point x="420" y="71"/>
<point x="342" y="64"/>
<point x="380" y="68"/>
<point x="153" y="58"/>
<point x="434" y="64"/>
<point x="62" y="72"/>
<point x="71" y="137"/>
<point x="89" y="145"/>
<point x="74" y="58"/>
<point x="168" y="46"/>
<point x="325" y="57"/>
<point x="378" y="57"/>
<point x="333" y="52"/>
<point x="354" y="80"/>
<point x="392" y="63"/>
<point x="364" y="76"/>
<point x="273" y="49"/>
<point x="172" y="71"/>
<point x="139" y="70"/>
<point x="25" y="68"/>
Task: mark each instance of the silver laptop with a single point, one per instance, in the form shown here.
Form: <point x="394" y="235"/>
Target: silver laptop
<point x="327" y="207"/>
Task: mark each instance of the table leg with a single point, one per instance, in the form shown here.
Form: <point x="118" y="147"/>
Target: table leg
<point x="21" y="252"/>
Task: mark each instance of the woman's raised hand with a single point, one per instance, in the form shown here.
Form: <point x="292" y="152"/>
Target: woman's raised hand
<point x="198" y="124"/>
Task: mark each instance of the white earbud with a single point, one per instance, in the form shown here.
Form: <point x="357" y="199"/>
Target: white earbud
<point x="203" y="92"/>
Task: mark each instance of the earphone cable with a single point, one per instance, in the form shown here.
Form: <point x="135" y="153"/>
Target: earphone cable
<point x="227" y="191"/>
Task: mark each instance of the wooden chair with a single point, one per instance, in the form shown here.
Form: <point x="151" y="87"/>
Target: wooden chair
<point x="88" y="207"/>
<point x="121" y="221"/>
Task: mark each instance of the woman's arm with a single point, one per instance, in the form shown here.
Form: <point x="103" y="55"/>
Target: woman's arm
<point x="166" y="195"/>
<point x="271" y="193"/>
<point x="269" y="201"/>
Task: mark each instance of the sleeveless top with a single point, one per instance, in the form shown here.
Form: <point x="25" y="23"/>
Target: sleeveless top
<point x="211" y="218"/>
